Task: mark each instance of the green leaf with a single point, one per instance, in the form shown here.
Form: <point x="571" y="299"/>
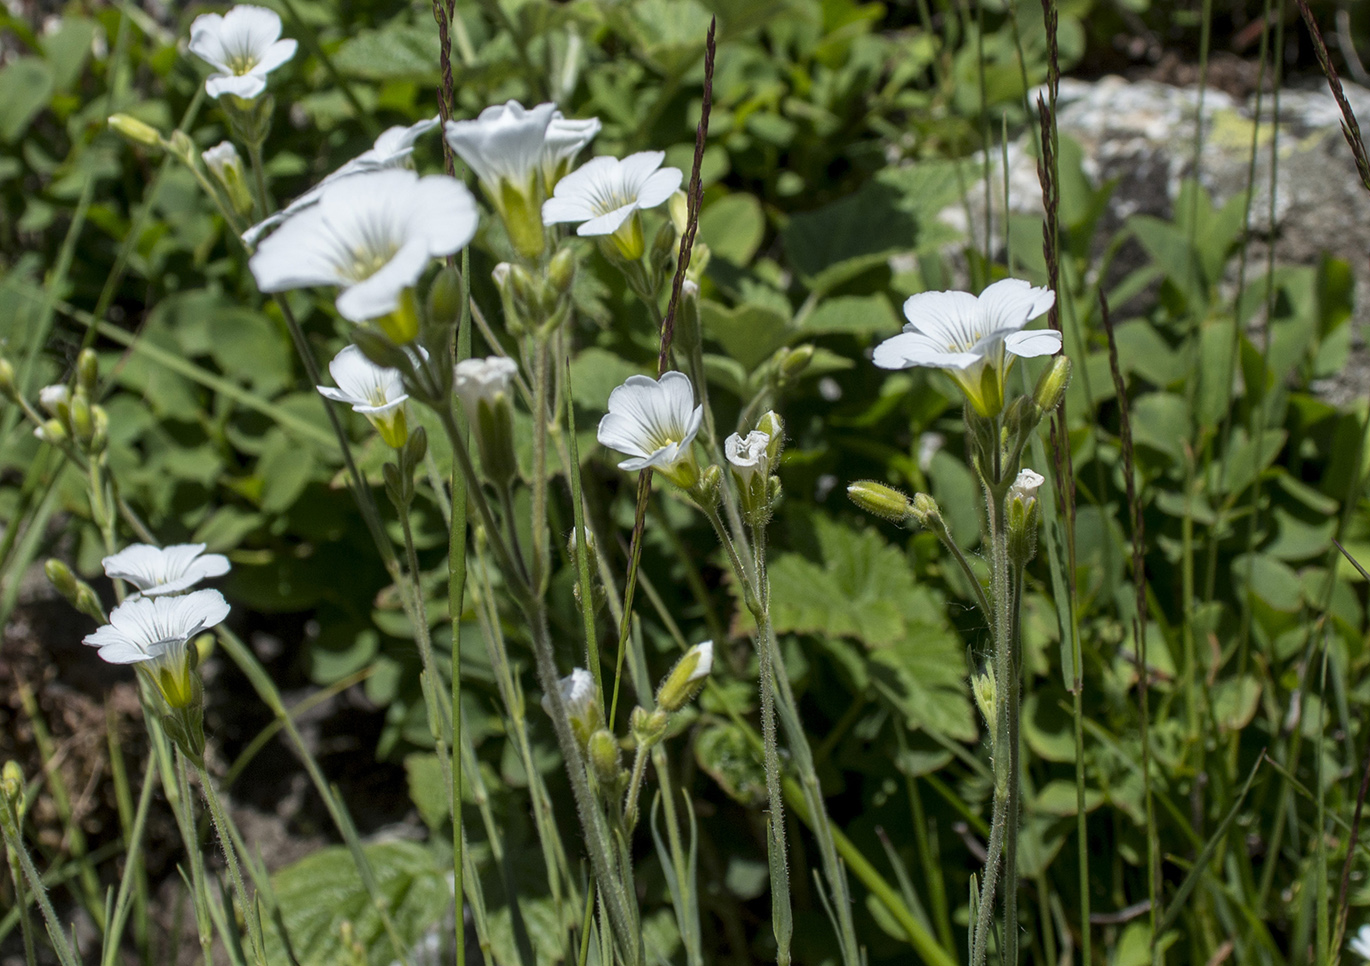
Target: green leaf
<point x="427" y="790"/>
<point x="733" y="227"/>
<point x="1235" y="701"/>
<point x="864" y="589"/>
<point x="597" y="372"/>
<point x="857" y="315"/>
<point x="723" y="752"/>
<point x="749" y="332"/>
<point x="322" y="891"/>
<point x="1058" y="798"/>
<point x="396" y="51"/>
<point x="26" y="84"/>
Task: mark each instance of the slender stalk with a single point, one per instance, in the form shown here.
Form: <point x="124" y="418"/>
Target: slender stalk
<point x="221" y="821"/>
<point x="133" y="864"/>
<point x="456" y="560"/>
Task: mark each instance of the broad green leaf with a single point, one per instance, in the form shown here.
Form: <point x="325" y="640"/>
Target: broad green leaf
<point x="597" y="372"/>
<point x="1235" y="701"/>
<point x="733" y="227"/>
<point x="26" y="84"/>
<point x="396" y="51"/>
<point x="322" y="891"/>
<point x="724" y="753"/>
<point x="427" y="790"/>
<point x="750" y="333"/>
<point x="858" y="315"/>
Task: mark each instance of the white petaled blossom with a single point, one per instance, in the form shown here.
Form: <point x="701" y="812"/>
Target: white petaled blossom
<point x="243" y="46"/>
<point x="504" y="146"/>
<point x="579" y="695"/>
<point x="605" y="194"/>
<point x="973" y="338"/>
<point x="377" y="392"/>
<point x="565" y="138"/>
<point x="1360" y="942"/>
<point x="480" y="380"/>
<point x="748" y="455"/>
<point x="483" y="387"/>
<point x="153" y="632"/>
<point x="393" y="149"/>
<point x="655" y="423"/>
<point x="220" y="158"/>
<point x="1025" y="486"/>
<point x="372" y="235"/>
<point x="156" y="571"/>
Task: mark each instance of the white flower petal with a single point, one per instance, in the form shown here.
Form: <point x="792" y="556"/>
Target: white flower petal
<point x="504" y="143"/>
<point x="909" y="349"/>
<point x="659" y="187"/>
<point x="605" y="224"/>
<point x="1010" y="304"/>
<point x="653" y="422"/>
<point x="246" y="86"/>
<point x="143" y="628"/>
<point x="1033" y="343"/>
<point x="379" y="294"/>
<point x="951" y="319"/>
<point x="164" y="570"/>
<point x="275" y="55"/>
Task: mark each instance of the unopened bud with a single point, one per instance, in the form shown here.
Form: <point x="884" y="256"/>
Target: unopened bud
<point x="7" y="387"/>
<point x="82" y="422"/>
<point x="52" y="432"/>
<point x="926" y="512"/>
<point x="99" y="437"/>
<point x="1052" y="386"/>
<point x="602" y="750"/>
<point x="561" y="270"/>
<point x="679" y="208"/>
<point x="379" y="348"/>
<point x="56" y="399"/>
<point x="182" y="146"/>
<point x="795" y="361"/>
<point x="135" y="130"/>
<point x="445" y="306"/>
<point x="12" y="785"/>
<point x="648" y="726"/>
<point x="664" y="245"/>
<point x="986" y="698"/>
<point x="88" y="371"/>
<point x="705" y="489"/>
<point x="61" y="578"/>
<point x="773" y="426"/>
<point x="226" y="167"/>
<point x="686" y="678"/>
<point x="881" y="500"/>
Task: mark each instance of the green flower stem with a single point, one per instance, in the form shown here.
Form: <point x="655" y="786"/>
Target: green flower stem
<point x="541" y="568"/>
<point x="133" y="848"/>
<point x="549" y="837"/>
<point x="221" y="821"/>
<point x="630" y="812"/>
<point x="21" y="906"/>
<point x="14" y="850"/>
<point x="571" y="463"/>
<point x="456" y="605"/>
<point x="254" y="154"/>
<point x="261" y="682"/>
<point x="1015" y="777"/>
<point x="619" y="900"/>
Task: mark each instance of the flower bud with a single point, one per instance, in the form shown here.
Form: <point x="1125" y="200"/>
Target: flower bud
<point x="580" y="697"/>
<point x="7" y="387"/>
<point x="664" y="246"/>
<point x="926" y="512"/>
<point x="226" y="166"/>
<point x="182" y="146"/>
<point x="88" y="371"/>
<point x="648" y="726"/>
<point x="1020" y="507"/>
<point x="52" y="432"/>
<point x="881" y="500"/>
<point x="99" y="437"/>
<point x="702" y="487"/>
<point x="773" y="426"/>
<point x="135" y="130"/>
<point x="688" y="333"/>
<point x="686" y="678"/>
<point x="12" y="786"/>
<point x="61" y="578"/>
<point x="445" y="305"/>
<point x="379" y="348"/>
<point x="561" y="270"/>
<point x="983" y="687"/>
<point x="1052" y="386"/>
<point x="82" y="422"/>
<point x="56" y="399"/>
<point x="679" y="208"/>
<point x="602" y="750"/>
<point x="795" y="361"/>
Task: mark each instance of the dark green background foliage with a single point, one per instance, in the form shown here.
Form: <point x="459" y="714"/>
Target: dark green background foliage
<point x="840" y="130"/>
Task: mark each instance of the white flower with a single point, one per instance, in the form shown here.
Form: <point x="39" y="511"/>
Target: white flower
<point x="54" y="397"/>
<point x="164" y="570"/>
<point x="504" y="144"/>
<point x="372" y="235"/>
<point x="374" y="391"/>
<point x="704" y="660"/>
<point x="581" y="698"/>
<point x="220" y="158"/>
<point x="963" y="334"/>
<point x="565" y="138"/>
<point x="748" y="456"/>
<point x="480" y="380"/>
<point x="392" y="149"/>
<point x="654" y="423"/>
<point x="1360" y="943"/>
<point x="153" y="632"/>
<point x="243" y="46"/>
<point x="604" y="193"/>
<point x="226" y="166"/>
<point x="1024" y="488"/>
